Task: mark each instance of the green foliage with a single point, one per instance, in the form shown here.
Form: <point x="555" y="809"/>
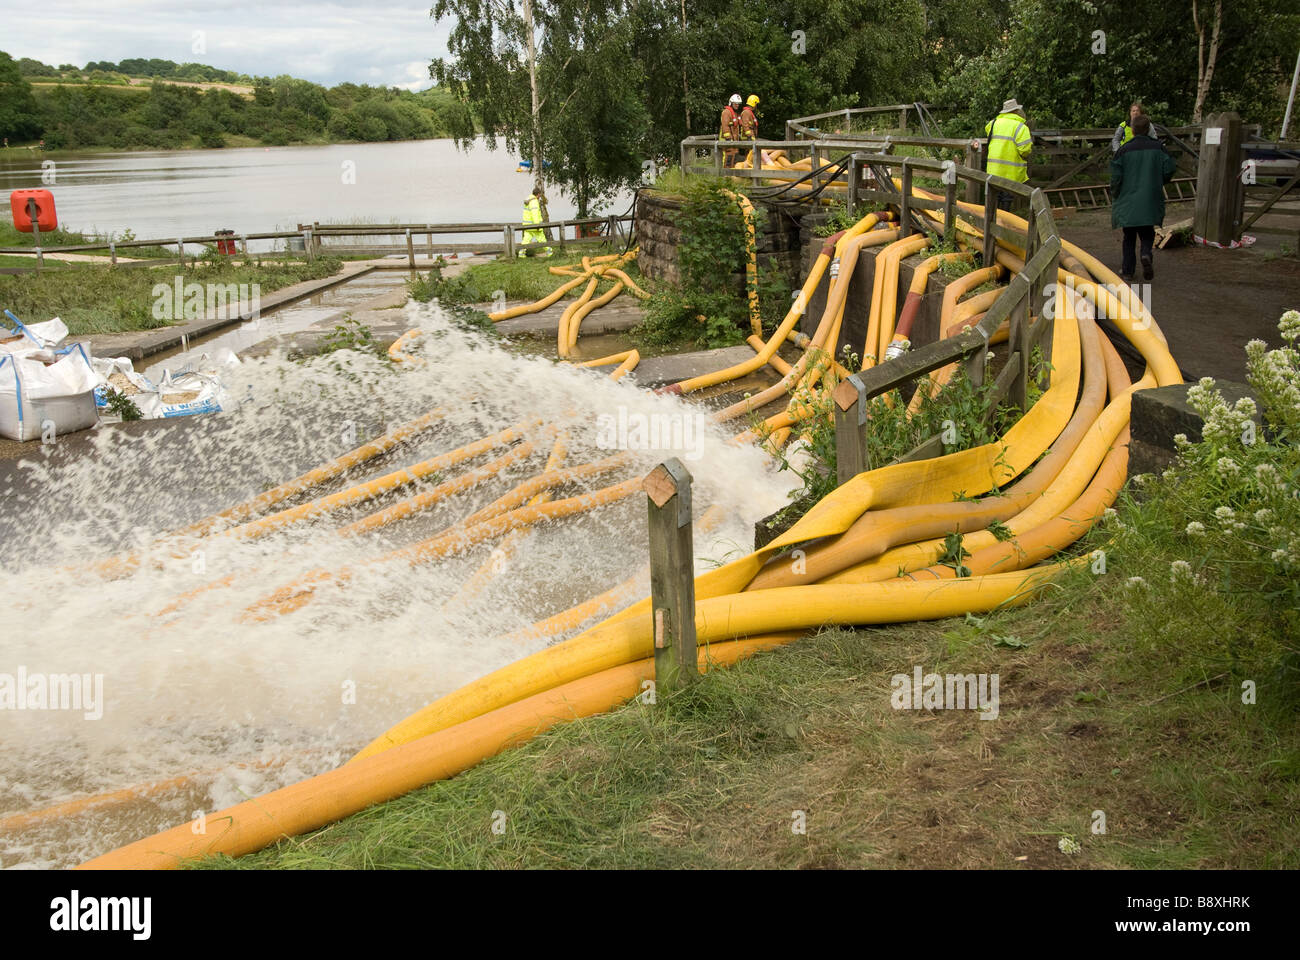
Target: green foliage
<point x="121" y="405"/>
<point x="1216" y="538"/>
<point x="18" y="114"/>
<point x="351" y="334"/>
<point x="1047" y="61"/>
<point x="100" y="110"/>
<point x="711" y="308"/>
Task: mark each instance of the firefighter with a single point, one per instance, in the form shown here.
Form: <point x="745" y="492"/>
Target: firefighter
<point x="749" y="119"/>
<point x="1010" y="144"/>
<point x="1124" y="132"/>
<point x="729" y="127"/>
<point x="533" y="214"/>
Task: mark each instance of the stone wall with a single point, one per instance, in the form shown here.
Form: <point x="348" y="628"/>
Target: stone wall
<point x="658" y="236"/>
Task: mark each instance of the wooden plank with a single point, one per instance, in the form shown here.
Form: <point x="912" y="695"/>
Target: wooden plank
<point x="672" y="574"/>
<point x="850" y="429"/>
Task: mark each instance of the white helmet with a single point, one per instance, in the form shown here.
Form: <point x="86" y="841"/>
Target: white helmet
<point x="735" y="100"/>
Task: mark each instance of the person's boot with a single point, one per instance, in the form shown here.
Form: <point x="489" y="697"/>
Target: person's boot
<point x="1148" y="271"/>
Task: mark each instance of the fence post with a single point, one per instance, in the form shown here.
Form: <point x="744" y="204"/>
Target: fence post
<point x="949" y="210"/>
<point x="33" y="216"/>
<point x="508" y="241"/>
<point x="243" y="241"/>
<point x="560" y="238"/>
<point x="1019" y="341"/>
<point x="686" y="156"/>
<point x="180" y="250"/>
<point x="1219" y="190"/>
<point x="672" y="574"/>
<point x="851" y="194"/>
<point x="717" y="160"/>
<point x="430" y="240"/>
<point x="990" y="222"/>
<point x="756" y="155"/>
<point x="112" y="254"/>
<point x="309" y="245"/>
<point x="410" y="249"/>
<point x="850" y="429"/>
<point x="972" y="194"/>
<point x="905" y="203"/>
<point x="902" y="119"/>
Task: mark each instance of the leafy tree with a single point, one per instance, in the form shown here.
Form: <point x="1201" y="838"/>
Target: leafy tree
<point x="18" y="115"/>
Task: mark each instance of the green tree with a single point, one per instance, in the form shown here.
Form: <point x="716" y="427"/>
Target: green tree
<point x="18" y="116"/>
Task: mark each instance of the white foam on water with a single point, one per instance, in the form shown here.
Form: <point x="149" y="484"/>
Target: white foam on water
<point x="249" y="705"/>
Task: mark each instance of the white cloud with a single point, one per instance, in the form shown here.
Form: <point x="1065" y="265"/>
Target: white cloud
<point x="388" y="43"/>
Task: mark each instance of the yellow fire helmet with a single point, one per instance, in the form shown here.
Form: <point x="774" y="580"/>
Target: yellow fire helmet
<point x="753" y="100"/>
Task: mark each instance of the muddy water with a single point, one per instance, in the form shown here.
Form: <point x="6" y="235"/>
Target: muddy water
<point x="169" y="193"/>
<point x="196" y="684"/>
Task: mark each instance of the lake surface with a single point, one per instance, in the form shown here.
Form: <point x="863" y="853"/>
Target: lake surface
<point x="168" y="193"/>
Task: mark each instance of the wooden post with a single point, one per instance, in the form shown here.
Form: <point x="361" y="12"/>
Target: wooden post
<point x="315" y="234"/>
<point x="563" y="225"/>
<point x="309" y="245"/>
<point x="410" y="249"/>
<point x="686" y="157"/>
<point x="243" y="242"/>
<point x="755" y="155"/>
<point x="508" y="239"/>
<point x="902" y="119"/>
<point x="850" y="429"/>
<point x="905" y="203"/>
<point x="36" y="232"/>
<point x="1031" y="231"/>
<point x="180" y="250"/>
<point x="990" y="221"/>
<point x="1019" y="341"/>
<point x="672" y="574"/>
<point x="949" y="210"/>
<point x="112" y="254"/>
<point x="717" y="160"/>
<point x="429" y="241"/>
<point x="851" y="194"/>
<point x="972" y="194"/>
<point x="1218" y="180"/>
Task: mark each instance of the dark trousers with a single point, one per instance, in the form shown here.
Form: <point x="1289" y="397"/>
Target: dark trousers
<point x="1147" y="235"/>
<point x="1005" y="200"/>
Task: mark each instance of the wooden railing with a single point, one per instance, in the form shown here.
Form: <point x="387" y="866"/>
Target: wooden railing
<point x="1024" y="304"/>
<point x="311" y="237"/>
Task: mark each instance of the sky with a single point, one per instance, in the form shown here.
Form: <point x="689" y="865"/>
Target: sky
<point x="383" y="43"/>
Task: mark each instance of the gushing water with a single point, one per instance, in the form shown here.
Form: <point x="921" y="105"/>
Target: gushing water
<point x="203" y="703"/>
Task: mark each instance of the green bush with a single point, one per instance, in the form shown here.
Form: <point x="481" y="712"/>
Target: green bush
<point x="1211" y="548"/>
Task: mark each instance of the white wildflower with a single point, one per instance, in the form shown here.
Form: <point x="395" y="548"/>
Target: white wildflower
<point x="1196" y="529"/>
<point x="1180" y="569"/>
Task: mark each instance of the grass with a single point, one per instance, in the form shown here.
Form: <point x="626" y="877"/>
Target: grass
<point x="528" y="278"/>
<point x="1186" y="778"/>
<point x="93" y="299"/>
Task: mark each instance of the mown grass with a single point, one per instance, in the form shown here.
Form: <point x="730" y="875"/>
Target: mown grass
<point x="92" y="299"/>
<point x="1185" y="775"/>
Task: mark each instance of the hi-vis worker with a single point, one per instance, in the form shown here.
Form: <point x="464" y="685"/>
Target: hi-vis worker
<point x="533" y="214"/>
<point x="729" y="126"/>
<point x="1010" y="144"/>
<point x="1124" y="132"/>
<point x="749" y="119"/>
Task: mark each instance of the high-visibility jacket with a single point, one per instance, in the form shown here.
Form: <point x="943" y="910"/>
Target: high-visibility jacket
<point x="1009" y="147"/>
<point x="729" y="127"/>
<point x="1123" y="134"/>
<point x="748" y="124"/>
<point x="533" y="214"/>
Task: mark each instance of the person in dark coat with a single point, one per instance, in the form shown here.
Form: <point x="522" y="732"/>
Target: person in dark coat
<point x="1138" y="172"/>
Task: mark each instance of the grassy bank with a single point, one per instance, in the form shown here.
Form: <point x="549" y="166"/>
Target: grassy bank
<point x="92" y="299"/>
<point x="1186" y="777"/>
